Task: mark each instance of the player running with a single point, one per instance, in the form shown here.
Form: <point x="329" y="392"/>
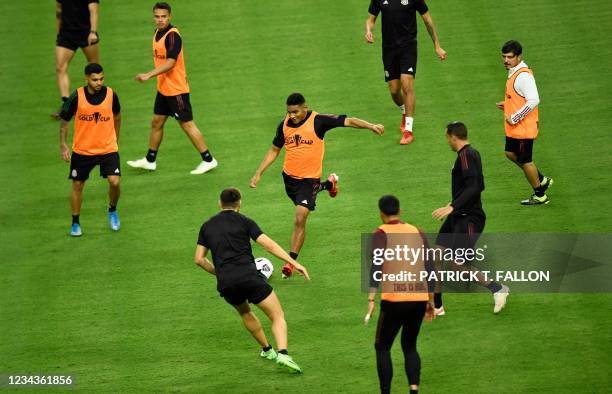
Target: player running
<point x="227" y="235"/>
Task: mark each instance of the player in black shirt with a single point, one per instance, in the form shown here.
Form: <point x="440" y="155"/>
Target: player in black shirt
<point x="228" y="236"/>
<point x="465" y="219"/>
<point x="77" y="25"/>
<point x="399" y="50"/>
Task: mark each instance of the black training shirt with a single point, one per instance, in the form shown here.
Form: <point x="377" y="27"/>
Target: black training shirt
<point x="322" y="124"/>
<point x="172" y="42"/>
<point x="468" y="182"/>
<point x="70" y="106"/>
<point x="228" y="236"/>
<point x="75" y="15"/>
<point x="399" y="24"/>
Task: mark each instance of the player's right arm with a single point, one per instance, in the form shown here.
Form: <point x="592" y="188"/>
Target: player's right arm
<point x="271" y="154"/>
<point x="369" y="25"/>
<point x="201" y="260"/>
<point x="271" y="246"/>
<point x="68" y="110"/>
<point x="362" y="124"/>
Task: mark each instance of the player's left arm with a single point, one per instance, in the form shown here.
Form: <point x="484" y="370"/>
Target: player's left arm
<point x="357" y="123"/>
<point x="116" y="115"/>
<point x="525" y="85"/>
<point x="167" y="66"/>
<point x="201" y="260"/>
<point x="431" y="29"/>
<point x="93" y="21"/>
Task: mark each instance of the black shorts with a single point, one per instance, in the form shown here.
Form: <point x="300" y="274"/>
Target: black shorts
<point x="81" y="165"/>
<point x="72" y="40"/>
<point x="302" y="191"/>
<point x="460" y="231"/>
<point x="398" y="61"/>
<point x="178" y="107"/>
<point x="522" y="148"/>
<point x="254" y="290"/>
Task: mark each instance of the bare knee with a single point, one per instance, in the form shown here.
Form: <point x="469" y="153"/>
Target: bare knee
<point x="61" y="68"/>
<point x="77" y="186"/>
<point x="113" y="181"/>
<point x="300" y="220"/>
<point x="157" y="124"/>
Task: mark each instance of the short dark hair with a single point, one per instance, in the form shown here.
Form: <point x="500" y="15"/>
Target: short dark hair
<point x="512" y="46"/>
<point x="93" y="68"/>
<point x="389" y="205"/>
<point x="162" y="5"/>
<point x="458" y="129"/>
<point x="230" y="197"/>
<point x="296" y="99"/>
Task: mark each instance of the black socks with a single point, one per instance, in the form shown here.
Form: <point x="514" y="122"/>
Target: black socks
<point x="75" y="219"/>
<point x="112" y="208"/>
<point x="151" y="155"/>
<point x="438" y="300"/>
<point x="494" y="287"/>
<point x="293" y="255"/>
<point x="284" y="351"/>
<point x="206" y="156"/>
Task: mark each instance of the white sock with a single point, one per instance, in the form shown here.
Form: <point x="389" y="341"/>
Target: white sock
<point x="409" y="120"/>
<point x="402" y="108"/>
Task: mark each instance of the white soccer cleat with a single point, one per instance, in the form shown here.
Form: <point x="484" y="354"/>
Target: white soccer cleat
<point x="439" y="311"/>
<point x="142" y="163"/>
<point x="500" y="298"/>
<point x="204" y="166"/>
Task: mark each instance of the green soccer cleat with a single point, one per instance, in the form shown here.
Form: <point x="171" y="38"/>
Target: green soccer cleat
<point x="269" y="355"/>
<point x="547" y="182"/>
<point x="535" y="200"/>
<point x="286" y="361"/>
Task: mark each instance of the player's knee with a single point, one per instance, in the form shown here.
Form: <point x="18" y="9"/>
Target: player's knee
<point x="381" y="347"/>
<point x="114" y="181"/>
<point x="61" y="68"/>
<point x="77" y="186"/>
<point x="300" y="221"/>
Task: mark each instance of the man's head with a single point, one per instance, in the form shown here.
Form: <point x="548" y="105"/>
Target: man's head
<point x="457" y="135"/>
<point x="296" y="107"/>
<point x="94" y="76"/>
<point x="230" y="199"/>
<point x="162" y="12"/>
<point x="512" y="54"/>
<point x="389" y="207"/>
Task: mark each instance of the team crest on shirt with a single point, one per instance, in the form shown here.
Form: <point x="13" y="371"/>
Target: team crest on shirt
<point x="297" y="140"/>
<point x="405" y="2"/>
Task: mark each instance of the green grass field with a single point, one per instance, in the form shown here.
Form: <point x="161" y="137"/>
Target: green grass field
<point x="130" y="312"/>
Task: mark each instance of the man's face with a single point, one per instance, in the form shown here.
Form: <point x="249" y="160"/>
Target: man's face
<point x="297" y="113"/>
<point x="511" y="60"/>
<point x="95" y="81"/>
<point x="162" y="18"/>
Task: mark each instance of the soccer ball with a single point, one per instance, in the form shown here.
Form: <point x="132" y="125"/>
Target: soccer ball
<point x="264" y="266"/>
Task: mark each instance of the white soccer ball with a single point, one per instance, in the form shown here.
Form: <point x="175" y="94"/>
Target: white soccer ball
<point x="264" y="266"/>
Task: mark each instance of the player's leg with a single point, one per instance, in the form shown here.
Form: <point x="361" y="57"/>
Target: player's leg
<point x="407" y="67"/>
<point x="180" y="106"/>
<point x="63" y="56"/>
<point x="252" y="323"/>
<point x="92" y="53"/>
<point x="397" y="94"/>
<point x="76" y="200"/>
<point x="538" y="182"/>
<point x="110" y="168"/>
<point x="386" y="330"/>
<point x="299" y="234"/>
<point x="391" y="63"/>
<point x="272" y="308"/>
<point x="413" y="317"/>
<point x="149" y="162"/>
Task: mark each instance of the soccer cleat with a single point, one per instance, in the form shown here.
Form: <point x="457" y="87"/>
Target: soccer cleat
<point x="500" y="297"/>
<point x="287" y="271"/>
<point x="204" y="166"/>
<point x="269" y="355"/>
<point x="407" y="138"/>
<point x="75" y="230"/>
<point x="286" y="361"/>
<point x="546" y="183"/>
<point x="113" y="220"/>
<point x="333" y="178"/>
<point x="439" y="311"/>
<point x="535" y="200"/>
<point x="143" y="163"/>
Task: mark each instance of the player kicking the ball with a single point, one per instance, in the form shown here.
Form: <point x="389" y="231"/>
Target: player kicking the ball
<point x="301" y="133"/>
<point x="227" y="235"/>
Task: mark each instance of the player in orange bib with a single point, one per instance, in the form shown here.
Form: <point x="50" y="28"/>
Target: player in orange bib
<point x="301" y="133"/>
<point x="172" y="93"/>
<point x="404" y="302"/>
<point x="520" y="108"/>
<point x="97" y="121"/>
